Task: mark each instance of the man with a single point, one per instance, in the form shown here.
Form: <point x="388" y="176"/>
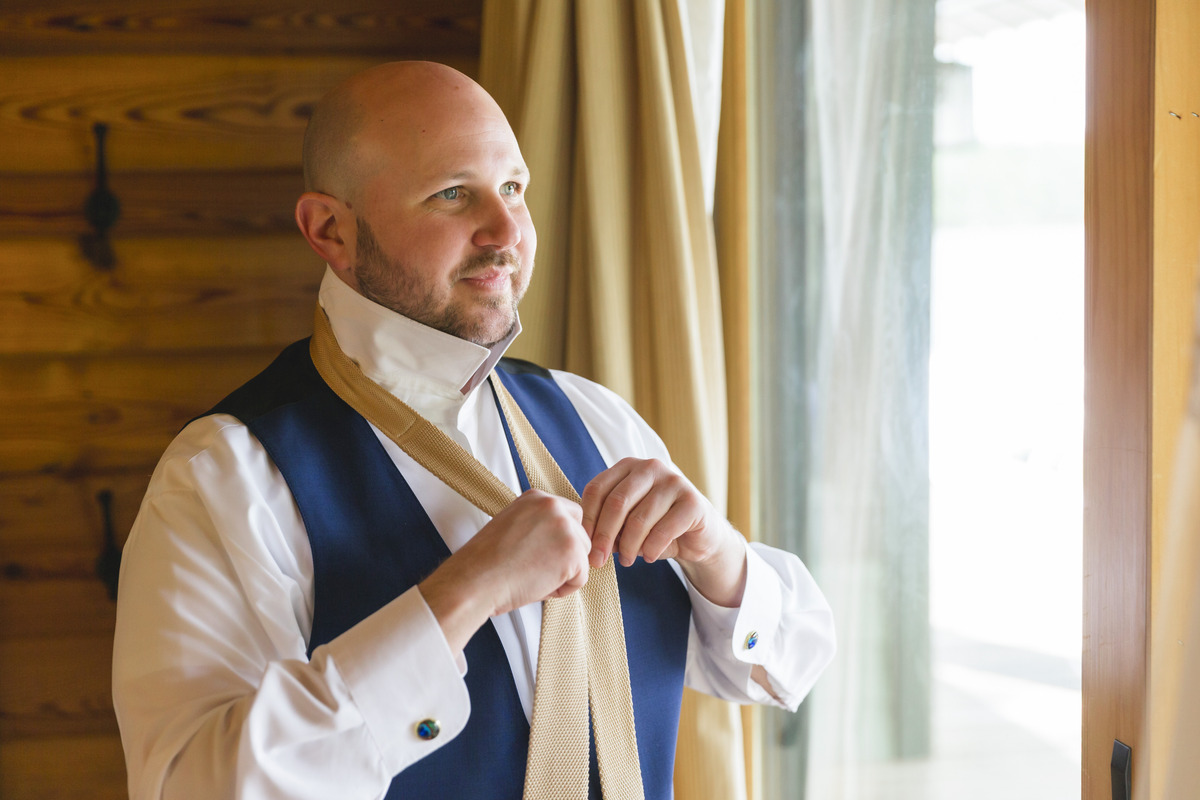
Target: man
<point x="307" y="611"/>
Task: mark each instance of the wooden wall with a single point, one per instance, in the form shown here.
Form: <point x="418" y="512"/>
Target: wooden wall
<point x="206" y="104"/>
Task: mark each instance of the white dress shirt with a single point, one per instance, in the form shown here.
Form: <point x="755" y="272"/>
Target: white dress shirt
<point x="213" y="690"/>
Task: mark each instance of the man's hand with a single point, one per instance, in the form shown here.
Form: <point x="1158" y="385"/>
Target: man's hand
<point x="532" y="550"/>
<point x="644" y="508"/>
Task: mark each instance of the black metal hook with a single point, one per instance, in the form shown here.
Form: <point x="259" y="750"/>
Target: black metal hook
<point x="102" y="210"/>
<point x="108" y="563"/>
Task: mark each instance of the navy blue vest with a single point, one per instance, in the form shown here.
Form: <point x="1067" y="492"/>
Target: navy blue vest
<point x="372" y="540"/>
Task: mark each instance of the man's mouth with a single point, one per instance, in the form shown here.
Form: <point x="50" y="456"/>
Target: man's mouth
<point x="493" y="278"/>
<point x="491" y="273"/>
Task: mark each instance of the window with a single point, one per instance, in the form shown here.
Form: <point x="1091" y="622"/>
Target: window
<point x="920" y="362"/>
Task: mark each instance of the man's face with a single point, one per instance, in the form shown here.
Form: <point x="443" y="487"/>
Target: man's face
<point x="443" y="235"/>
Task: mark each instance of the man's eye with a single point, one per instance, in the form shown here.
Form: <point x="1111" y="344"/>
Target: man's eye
<point x="510" y="188"/>
<point x="448" y="194"/>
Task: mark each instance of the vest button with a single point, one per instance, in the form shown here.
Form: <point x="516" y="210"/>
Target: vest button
<point x="428" y="729"/>
<point x="751" y="640"/>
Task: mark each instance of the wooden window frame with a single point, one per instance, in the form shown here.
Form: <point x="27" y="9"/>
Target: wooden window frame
<point x="1142" y="222"/>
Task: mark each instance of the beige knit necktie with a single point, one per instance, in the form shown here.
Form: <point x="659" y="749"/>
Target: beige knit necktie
<point x="582" y="650"/>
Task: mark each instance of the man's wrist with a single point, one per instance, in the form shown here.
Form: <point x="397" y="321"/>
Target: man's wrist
<point x="721" y="578"/>
<point x="457" y="606"/>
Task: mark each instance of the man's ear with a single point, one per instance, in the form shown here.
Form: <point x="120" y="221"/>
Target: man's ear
<point x="329" y="227"/>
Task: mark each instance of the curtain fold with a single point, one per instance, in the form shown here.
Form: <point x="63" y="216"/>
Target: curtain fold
<point x="873" y="97"/>
<point x="735" y="269"/>
<point x="627" y="290"/>
<point x="844" y="221"/>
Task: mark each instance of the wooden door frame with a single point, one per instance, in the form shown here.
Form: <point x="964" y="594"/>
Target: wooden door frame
<point x="1142" y="221"/>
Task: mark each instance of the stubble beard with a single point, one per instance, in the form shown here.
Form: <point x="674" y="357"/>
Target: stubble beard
<point x="389" y="283"/>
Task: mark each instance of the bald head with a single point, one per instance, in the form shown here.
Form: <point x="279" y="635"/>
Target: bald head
<point x="416" y="198"/>
<point x="378" y="109"/>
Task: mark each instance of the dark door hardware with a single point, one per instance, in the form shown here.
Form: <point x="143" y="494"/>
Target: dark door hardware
<point x="1122" y="771"/>
<point x="108" y="564"/>
<point x="102" y="210"/>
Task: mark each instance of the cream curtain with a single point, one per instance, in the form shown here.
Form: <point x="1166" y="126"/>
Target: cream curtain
<point x="614" y="106"/>
<point x="732" y="220"/>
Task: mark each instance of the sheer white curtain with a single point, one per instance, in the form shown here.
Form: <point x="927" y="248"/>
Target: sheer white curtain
<point x="845" y="164"/>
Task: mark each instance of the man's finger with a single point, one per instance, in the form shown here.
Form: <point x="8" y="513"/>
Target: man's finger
<point x="598" y="488"/>
<point x="613" y="502"/>
<point x="573" y="584"/>
<point x="641" y="520"/>
<point x="660" y="541"/>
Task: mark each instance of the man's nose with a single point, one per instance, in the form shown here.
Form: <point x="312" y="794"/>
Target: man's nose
<point x="498" y="226"/>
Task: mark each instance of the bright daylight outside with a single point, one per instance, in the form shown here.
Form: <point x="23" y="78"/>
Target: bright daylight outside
<point x="1006" y="402"/>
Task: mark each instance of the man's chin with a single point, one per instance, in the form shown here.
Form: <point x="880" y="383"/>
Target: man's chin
<point x="489" y="322"/>
<point x="494" y="337"/>
<point x="486" y="327"/>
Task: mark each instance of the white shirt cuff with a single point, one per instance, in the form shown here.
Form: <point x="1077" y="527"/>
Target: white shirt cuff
<point x="401" y="673"/>
<point x="749" y="628"/>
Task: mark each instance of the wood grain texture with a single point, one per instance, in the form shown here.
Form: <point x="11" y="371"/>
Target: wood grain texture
<point x="165" y="295"/>
<point x="1176" y="251"/>
<point x="60" y="511"/>
<point x="163" y="111"/>
<point x="47" y="565"/>
<point x="412" y="27"/>
<point x="206" y="104"/>
<point x="62" y="768"/>
<point x="170" y="202"/>
<point x="56" y="687"/>
<point x="1119" y="260"/>
<point x="56" y="607"/>
<point x="80" y="415"/>
<point x="1176" y="234"/>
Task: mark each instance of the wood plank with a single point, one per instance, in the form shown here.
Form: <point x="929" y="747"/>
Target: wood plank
<point x="1176" y="238"/>
<point x="59" y="511"/>
<point x="55" y="687"/>
<point x="187" y="203"/>
<point x="1119" y="259"/>
<point x="1169" y="764"/>
<point x="57" y="607"/>
<point x="78" y="415"/>
<point x="163" y="111"/>
<point x="44" y="564"/>
<point x="91" y="767"/>
<point x="51" y="533"/>
<point x="165" y="295"/>
<point x="408" y="28"/>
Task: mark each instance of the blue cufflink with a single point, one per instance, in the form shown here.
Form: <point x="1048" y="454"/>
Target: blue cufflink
<point x="428" y="729"/>
<point x="751" y="640"/>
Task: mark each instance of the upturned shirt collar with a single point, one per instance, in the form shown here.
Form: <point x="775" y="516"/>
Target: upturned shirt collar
<point x="424" y="367"/>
